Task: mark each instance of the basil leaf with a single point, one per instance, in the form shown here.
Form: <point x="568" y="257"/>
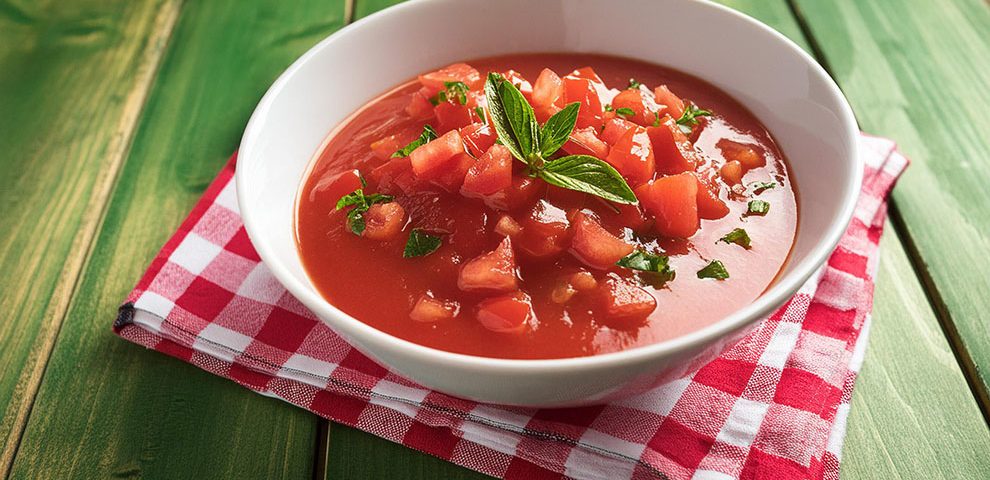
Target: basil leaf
<point x="428" y="135"/>
<point x="714" y="270"/>
<point x="500" y="119"/>
<point x="588" y="174"/>
<point x="522" y="119"/>
<point x="625" y="112"/>
<point x="361" y="204"/>
<point x="760" y="187"/>
<point x="646" y="262"/>
<point x="757" y="207"/>
<point x="355" y="220"/>
<point x="737" y="236"/>
<point x="558" y="128"/>
<point x="480" y="112"/>
<point x="420" y="244"/>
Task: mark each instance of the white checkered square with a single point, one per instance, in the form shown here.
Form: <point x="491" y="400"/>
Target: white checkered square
<point x="194" y="253"/>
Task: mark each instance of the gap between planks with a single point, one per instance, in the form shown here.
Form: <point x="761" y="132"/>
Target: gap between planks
<point x="932" y="294"/>
<point x="95" y="212"/>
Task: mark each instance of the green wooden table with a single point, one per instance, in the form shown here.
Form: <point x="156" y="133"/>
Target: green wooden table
<point x="115" y="115"/>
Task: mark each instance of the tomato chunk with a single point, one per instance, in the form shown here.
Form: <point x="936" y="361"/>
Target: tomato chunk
<point x="732" y="172"/>
<point x="452" y="177"/>
<point x="673" y="202"/>
<point x="428" y="160"/>
<point x="520" y="83"/>
<point x="624" y="305"/>
<point x="458" y="72"/>
<point x="494" y="271"/>
<point x="507" y="226"/>
<point x="383" y="221"/>
<point x="671" y="148"/>
<point x="584" y="141"/>
<point x="453" y="115"/>
<point x="710" y="207"/>
<point x="594" y="245"/>
<point x="645" y="112"/>
<point x="430" y="310"/>
<point x="335" y="186"/>
<point x="490" y="174"/>
<point x="746" y="155"/>
<point x="583" y="91"/>
<point x="522" y="193"/>
<point x="632" y="156"/>
<point x="615" y="128"/>
<point x="419" y="107"/>
<point x="478" y="138"/>
<point x="548" y="89"/>
<point x="674" y="104"/>
<point x="545" y="232"/>
<point x="633" y="217"/>
<point x="511" y="313"/>
<point x="383" y="148"/>
<point x="394" y="176"/>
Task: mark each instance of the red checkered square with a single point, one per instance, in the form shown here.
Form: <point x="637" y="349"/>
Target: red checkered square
<point x="730" y="376"/>
<point x="204" y="298"/>
<point x="286" y="331"/>
<point x="762" y="466"/>
<point x="241" y="245"/>
<point x="681" y="443"/>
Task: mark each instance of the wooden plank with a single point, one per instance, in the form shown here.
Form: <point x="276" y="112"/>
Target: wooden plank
<point x="108" y="408"/>
<point x="73" y="79"/>
<point x="918" y="72"/>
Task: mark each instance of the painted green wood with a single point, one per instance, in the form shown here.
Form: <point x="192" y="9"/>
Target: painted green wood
<point x="918" y="71"/>
<point x="72" y="82"/>
<point x="107" y="408"/>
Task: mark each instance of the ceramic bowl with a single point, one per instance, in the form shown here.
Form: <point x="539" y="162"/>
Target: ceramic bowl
<point x="781" y="84"/>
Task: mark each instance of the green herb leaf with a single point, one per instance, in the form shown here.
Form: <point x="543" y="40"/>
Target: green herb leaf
<point x="656" y="119"/>
<point x="513" y="117"/>
<point x="428" y="135"/>
<point x="625" y="112"/>
<point x="738" y="237"/>
<point x="714" y="270"/>
<point x="420" y="244"/>
<point x="360" y="203"/>
<point x="588" y="174"/>
<point x="457" y="90"/>
<point x="633" y="84"/>
<point x="690" y="117"/>
<point x="654" y="269"/>
<point x="558" y="128"/>
<point x="760" y="187"/>
<point x="480" y="112"/>
<point x="757" y="207"/>
<point x="608" y="107"/>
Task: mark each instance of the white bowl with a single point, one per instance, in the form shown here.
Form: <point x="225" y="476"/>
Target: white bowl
<point x="783" y="86"/>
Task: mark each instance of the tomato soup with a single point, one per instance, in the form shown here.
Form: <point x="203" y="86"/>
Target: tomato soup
<point x="546" y="206"/>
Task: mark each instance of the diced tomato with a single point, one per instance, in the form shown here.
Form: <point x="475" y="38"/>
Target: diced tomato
<point x="633" y="217"/>
<point x="521" y="83"/>
<point x="383" y="221"/>
<point x="673" y="203"/>
<point x="732" y="172"/>
<point x="419" y="107"/>
<point x="672" y="150"/>
<point x="594" y="245"/>
<point x="584" y="141"/>
<point x="490" y="174"/>
<point x="745" y="154"/>
<point x="632" y="98"/>
<point x="624" y="305"/>
<point x="547" y="90"/>
<point x="429" y="159"/>
<point x="383" y="148"/>
<point x="451" y="116"/>
<point x="458" y="72"/>
<point x="583" y="91"/>
<point x="494" y="271"/>
<point x="510" y="313"/>
<point x="675" y="106"/>
<point x="545" y="232"/>
<point x="586" y="73"/>
<point x="507" y="226"/>
<point x="523" y="192"/>
<point x="696" y="130"/>
<point x="615" y="128"/>
<point x="452" y="177"/>
<point x="632" y="156"/>
<point x="710" y="207"/>
<point x="394" y="176"/>
<point x="583" y="281"/>
<point x="430" y="310"/>
<point x="478" y="138"/>
<point x="335" y="186"/>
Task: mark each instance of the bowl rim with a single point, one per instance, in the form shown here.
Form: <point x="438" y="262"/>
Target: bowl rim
<point x="763" y="305"/>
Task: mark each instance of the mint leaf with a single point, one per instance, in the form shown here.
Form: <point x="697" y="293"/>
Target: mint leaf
<point x="513" y="117"/>
<point x="558" y="128"/>
<point x="737" y="236"/>
<point x="360" y="203"/>
<point x="625" y="112"/>
<point x="428" y="135"/>
<point x="760" y="187"/>
<point x="690" y="117"/>
<point x="757" y="207"/>
<point x="480" y="112"/>
<point x="588" y="174"/>
<point x="633" y="84"/>
<point x="653" y="268"/>
<point x="420" y="244"/>
<point x="714" y="270"/>
<point x="608" y="107"/>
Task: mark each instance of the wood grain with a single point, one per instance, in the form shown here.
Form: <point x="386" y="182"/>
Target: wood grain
<point x="73" y="80"/>
<point x="108" y="408"/>
<point x="918" y="71"/>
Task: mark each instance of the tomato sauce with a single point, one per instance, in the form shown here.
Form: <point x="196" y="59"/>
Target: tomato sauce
<point x="372" y="281"/>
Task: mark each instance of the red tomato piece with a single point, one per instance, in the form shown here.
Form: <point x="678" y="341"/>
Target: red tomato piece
<point x="584" y="141"/>
<point x="624" y="305"/>
<point x="547" y="90"/>
<point x="430" y="310"/>
<point x="510" y="313"/>
<point x="671" y="148"/>
<point x="746" y="155"/>
<point x="490" y="174"/>
<point x="545" y="232"/>
<point x="478" y="138"/>
<point x="586" y="73"/>
<point x="383" y="148"/>
<point x="710" y="207"/>
<point x="523" y="192"/>
<point x="458" y="72"/>
<point x="674" y="104"/>
<point x="333" y="187"/>
<point x="452" y="177"/>
<point x="594" y="245"/>
<point x="383" y="221"/>
<point x="673" y="203"/>
<point x="632" y="156"/>
<point x="732" y="172"/>
<point x="494" y="271"/>
<point x="451" y="116"/>
<point x="419" y="107"/>
<point x="632" y="98"/>
<point x="394" y="176"/>
<point x="583" y="91"/>
<point x="520" y="83"/>
<point x="633" y="217"/>
<point x="429" y="159"/>
<point x="507" y="226"/>
<point x="615" y="128"/>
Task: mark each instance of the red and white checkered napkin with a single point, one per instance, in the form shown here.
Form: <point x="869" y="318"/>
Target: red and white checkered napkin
<point x="772" y="406"/>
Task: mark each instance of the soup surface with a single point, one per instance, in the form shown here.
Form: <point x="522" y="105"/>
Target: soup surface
<point x="446" y="238"/>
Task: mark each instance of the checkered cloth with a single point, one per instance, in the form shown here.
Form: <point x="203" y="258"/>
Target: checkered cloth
<point x="772" y="406"/>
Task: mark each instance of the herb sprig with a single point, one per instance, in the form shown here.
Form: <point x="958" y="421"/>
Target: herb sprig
<point x="452" y="90"/>
<point x="737" y="236"/>
<point x="654" y="268"/>
<point x="517" y="129"/>
<point x="420" y="244"/>
<point x="690" y="117"/>
<point x="360" y="204"/>
<point x="428" y="135"/>
<point x="715" y="269"/>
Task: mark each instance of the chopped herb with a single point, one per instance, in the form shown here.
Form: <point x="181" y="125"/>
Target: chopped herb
<point x="714" y="270"/>
<point x="656" y="119"/>
<point x="655" y="267"/>
<point x="625" y="112"/>
<point x="690" y="117"/>
<point x="633" y="84"/>
<point x="456" y="90"/>
<point x="420" y="244"/>
<point x="434" y="100"/>
<point x="608" y="107"/>
<point x="757" y="207"/>
<point x="360" y="204"/>
<point x="481" y="114"/>
<point x="760" y="187"/>
<point x="738" y="237"/>
<point x="428" y="135"/>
